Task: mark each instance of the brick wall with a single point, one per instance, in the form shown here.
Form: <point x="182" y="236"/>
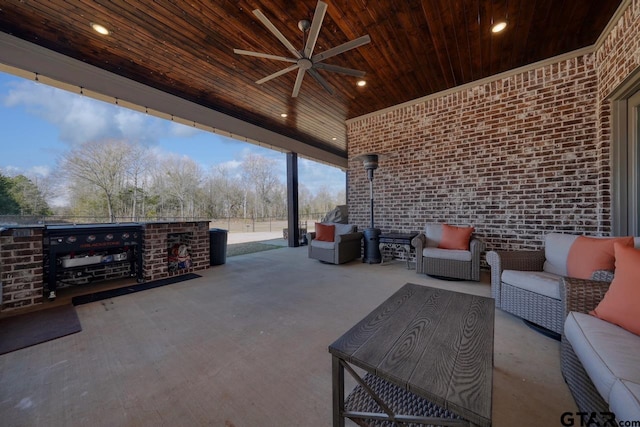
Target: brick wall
<point x="21" y="271"/>
<point x="517" y="157"/>
<point x="155" y="247"/>
<point x="616" y="59"/>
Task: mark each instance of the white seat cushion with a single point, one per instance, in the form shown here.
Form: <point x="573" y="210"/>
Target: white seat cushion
<point x="540" y="282"/>
<point x="323" y="245"/>
<point x="625" y="400"/>
<point x="609" y="354"/>
<point x="453" y="254"/>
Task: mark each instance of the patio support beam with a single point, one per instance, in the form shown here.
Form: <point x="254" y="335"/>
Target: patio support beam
<point x="293" y="218"/>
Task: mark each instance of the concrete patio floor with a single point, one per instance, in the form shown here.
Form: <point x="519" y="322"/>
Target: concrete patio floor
<point x="246" y="345"/>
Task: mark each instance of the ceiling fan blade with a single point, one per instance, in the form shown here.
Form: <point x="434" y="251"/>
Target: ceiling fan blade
<point x="263" y="55"/>
<point x="342" y="48"/>
<point x="318" y="17"/>
<point x="277" y="33"/>
<point x="278" y="74"/>
<point x="341" y="70"/>
<point x="296" y="86"/>
<point x="321" y="80"/>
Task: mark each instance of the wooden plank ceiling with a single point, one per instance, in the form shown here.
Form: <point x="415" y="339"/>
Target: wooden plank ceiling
<point x="417" y="48"/>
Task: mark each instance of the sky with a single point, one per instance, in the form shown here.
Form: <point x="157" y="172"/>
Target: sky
<point x="39" y="123"/>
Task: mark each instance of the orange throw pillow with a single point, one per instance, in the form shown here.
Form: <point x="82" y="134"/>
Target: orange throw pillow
<point x="455" y="237"/>
<point x="620" y="303"/>
<point x="325" y="233"/>
<point x="589" y="254"/>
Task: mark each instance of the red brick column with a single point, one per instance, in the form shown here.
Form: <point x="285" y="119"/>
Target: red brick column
<point x="21" y="268"/>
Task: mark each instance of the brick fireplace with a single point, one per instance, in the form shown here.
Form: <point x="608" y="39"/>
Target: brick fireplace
<point x="160" y="240"/>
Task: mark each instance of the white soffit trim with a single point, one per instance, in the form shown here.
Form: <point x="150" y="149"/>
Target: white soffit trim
<point x="54" y="69"/>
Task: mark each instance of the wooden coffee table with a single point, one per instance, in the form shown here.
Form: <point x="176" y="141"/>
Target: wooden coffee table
<point x="427" y="354"/>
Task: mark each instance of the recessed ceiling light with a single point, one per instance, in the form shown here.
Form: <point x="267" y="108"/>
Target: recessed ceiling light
<point x="361" y="83"/>
<point x="334" y="139"/>
<point x="498" y="26"/>
<point x="100" y="29"/>
<point x="283" y="115"/>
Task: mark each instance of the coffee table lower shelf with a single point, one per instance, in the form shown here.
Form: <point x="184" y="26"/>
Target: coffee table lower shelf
<point x="416" y="411"/>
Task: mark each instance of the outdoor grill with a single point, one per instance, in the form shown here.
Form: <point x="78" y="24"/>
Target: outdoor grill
<point x="75" y="250"/>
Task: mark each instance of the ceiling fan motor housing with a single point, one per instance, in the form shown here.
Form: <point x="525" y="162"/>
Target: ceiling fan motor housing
<point x="305" y="63"/>
<point x="304" y="25"/>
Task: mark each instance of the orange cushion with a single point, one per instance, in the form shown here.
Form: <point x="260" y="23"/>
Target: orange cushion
<point x="620" y="303"/>
<point x="325" y="233"/>
<point x="588" y="254"/>
<point x="455" y="237"/>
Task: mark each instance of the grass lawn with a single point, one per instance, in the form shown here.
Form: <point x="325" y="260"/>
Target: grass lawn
<point x="248" y="248"/>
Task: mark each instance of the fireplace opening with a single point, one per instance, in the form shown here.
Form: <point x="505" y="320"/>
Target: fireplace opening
<point x="179" y="251"/>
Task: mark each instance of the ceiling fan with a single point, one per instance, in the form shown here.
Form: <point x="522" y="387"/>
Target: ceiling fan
<point x="304" y="60"/>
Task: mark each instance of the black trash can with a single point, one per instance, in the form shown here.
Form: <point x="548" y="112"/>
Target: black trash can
<point x="217" y="246"/>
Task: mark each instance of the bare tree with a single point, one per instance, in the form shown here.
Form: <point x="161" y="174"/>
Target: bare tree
<point x="140" y="160"/>
<point x="259" y="174"/>
<point x="125" y="179"/>
<point x="183" y="178"/>
<point x="226" y="192"/>
<point x="100" y="163"/>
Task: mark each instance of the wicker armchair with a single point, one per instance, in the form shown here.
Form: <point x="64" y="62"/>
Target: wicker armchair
<point x="464" y="265"/>
<point x="537" y="308"/>
<point x="582" y="296"/>
<point x="528" y="283"/>
<point x="345" y="247"/>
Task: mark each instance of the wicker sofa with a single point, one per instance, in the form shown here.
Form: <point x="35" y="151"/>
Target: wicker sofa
<point x="446" y="263"/>
<point x="600" y="361"/>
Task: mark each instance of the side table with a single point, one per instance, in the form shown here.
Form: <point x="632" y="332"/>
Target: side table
<point x="397" y="241"/>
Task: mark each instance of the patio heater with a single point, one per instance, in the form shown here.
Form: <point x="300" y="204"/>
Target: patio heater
<point x="371" y="235"/>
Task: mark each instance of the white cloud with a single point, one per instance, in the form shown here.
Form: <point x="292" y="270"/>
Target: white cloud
<point x="135" y="126"/>
<point x="80" y="119"/>
<point x="10" y="170"/>
<point x="43" y="171"/>
<point x="315" y="175"/>
<point x="33" y="171"/>
<point x="183" y="131"/>
<point x="231" y="164"/>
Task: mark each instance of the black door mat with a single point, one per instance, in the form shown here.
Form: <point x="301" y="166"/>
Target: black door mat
<point x="25" y="330"/>
<point x="126" y="290"/>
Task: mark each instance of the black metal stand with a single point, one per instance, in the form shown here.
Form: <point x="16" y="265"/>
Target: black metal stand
<point x="371" y="235"/>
